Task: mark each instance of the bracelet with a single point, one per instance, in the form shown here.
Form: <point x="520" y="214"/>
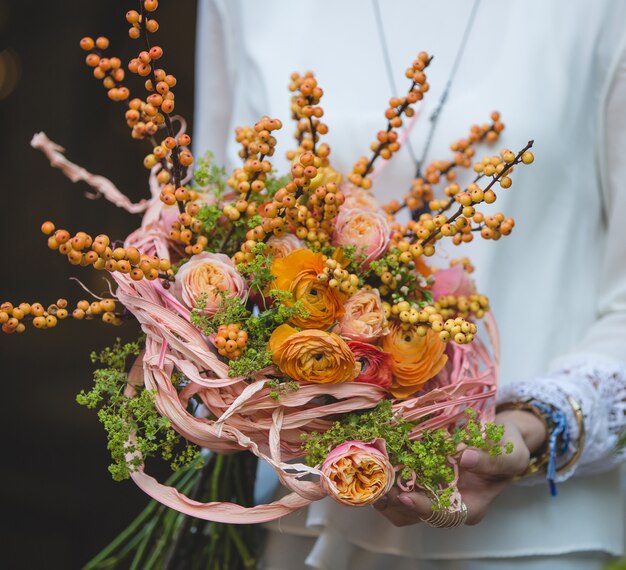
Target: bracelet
<point x="557" y="440"/>
<point x="539" y="458"/>
<point x="580" y="421"/>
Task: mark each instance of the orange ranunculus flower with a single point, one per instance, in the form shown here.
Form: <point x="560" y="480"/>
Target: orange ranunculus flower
<point x="313" y="356"/>
<point x="414" y="359"/>
<point x="297" y="273"/>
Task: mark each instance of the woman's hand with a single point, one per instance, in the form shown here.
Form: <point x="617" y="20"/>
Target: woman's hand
<point x="482" y="477"/>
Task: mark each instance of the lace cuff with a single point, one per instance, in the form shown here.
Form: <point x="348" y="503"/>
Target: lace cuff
<point x="599" y="386"/>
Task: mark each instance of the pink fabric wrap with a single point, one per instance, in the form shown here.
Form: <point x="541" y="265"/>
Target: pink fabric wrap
<point x="247" y="418"/>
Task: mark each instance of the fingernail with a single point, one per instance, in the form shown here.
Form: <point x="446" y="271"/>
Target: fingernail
<point x="406" y="501"/>
<point x="469" y="459"/>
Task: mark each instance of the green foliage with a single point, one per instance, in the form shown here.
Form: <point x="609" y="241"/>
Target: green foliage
<point x="259" y="327"/>
<point x="427" y="457"/>
<point x="279" y="387"/>
<point x="274" y="183"/>
<point x="209" y="216"/>
<point x="258" y="272"/>
<point x="210" y="174"/>
<point x="122" y="416"/>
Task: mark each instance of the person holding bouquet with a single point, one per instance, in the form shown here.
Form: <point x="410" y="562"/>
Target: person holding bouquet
<point x="557" y="72"/>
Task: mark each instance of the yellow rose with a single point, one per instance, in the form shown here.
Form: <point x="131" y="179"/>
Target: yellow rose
<point x="297" y="273"/>
<point x="312" y="356"/>
<point x="414" y="359"/>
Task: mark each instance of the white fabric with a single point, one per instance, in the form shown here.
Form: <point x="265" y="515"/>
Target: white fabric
<point x="280" y="549"/>
<point x="557" y="73"/>
<point x="601" y="387"/>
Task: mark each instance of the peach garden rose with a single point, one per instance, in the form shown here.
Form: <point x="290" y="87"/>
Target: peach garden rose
<point x="358" y="473"/>
<point x="366" y="229"/>
<point x="205" y="276"/>
<point x="282" y="246"/>
<point x="364" y="318"/>
<point x="356" y="197"/>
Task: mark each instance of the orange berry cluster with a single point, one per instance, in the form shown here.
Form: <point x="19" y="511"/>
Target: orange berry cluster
<point x="146" y="117"/>
<point x="257" y="143"/>
<point x="158" y="106"/>
<point x="312" y="222"/>
<point x="410" y="315"/>
<point x="386" y="143"/>
<point x="82" y="249"/>
<point x="14" y="318"/>
<point x="306" y="111"/>
<point x="316" y="218"/>
<point x="230" y="341"/>
<point x="187" y="229"/>
<point x="109" y="70"/>
<point x="464" y="151"/>
<point x="136" y="20"/>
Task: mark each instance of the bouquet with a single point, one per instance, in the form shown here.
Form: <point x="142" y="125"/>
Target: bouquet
<point x="293" y="317"/>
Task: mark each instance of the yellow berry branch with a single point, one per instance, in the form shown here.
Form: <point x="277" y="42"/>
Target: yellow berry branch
<point x="387" y="140"/>
<point x="306" y="110"/>
<point x="468" y="200"/>
<point x="421" y="192"/>
<point x="257" y="144"/>
<point x="298" y="202"/>
<point x="81" y="249"/>
<point x="411" y="316"/>
<point x="15" y="318"/>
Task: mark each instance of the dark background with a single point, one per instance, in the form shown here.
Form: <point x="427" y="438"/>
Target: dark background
<point x="59" y="505"/>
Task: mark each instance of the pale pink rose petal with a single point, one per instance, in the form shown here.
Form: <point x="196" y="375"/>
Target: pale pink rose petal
<point x="363" y="317"/>
<point x="284" y="245"/>
<point x="207" y="274"/>
<point x="452" y="281"/>
<point x="366" y="229"/>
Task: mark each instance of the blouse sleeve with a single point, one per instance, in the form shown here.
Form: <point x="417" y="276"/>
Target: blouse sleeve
<point x="594" y="373"/>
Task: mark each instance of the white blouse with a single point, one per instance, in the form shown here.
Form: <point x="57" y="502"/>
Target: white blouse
<point x="557" y="72"/>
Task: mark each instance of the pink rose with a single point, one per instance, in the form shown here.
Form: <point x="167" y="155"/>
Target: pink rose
<point x="363" y="319"/>
<point x="452" y="281"/>
<point x="206" y="274"/>
<point x="284" y="245"/>
<point x="356" y="197"/>
<point x="364" y="228"/>
<point x="357" y="473"/>
<point x="375" y="364"/>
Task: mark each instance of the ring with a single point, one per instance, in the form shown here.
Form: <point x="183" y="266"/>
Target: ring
<point x="447" y="519"/>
